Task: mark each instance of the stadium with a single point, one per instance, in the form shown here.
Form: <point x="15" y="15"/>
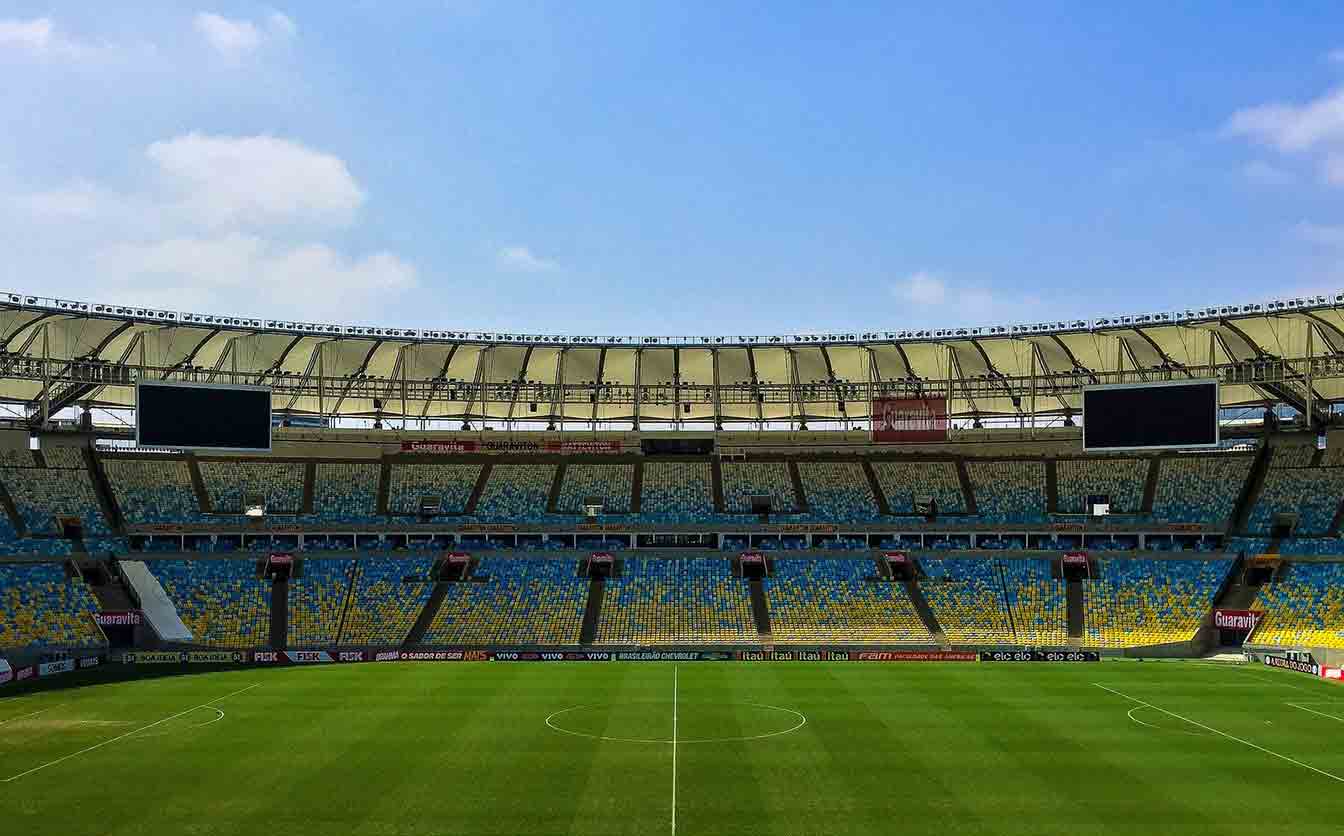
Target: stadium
<point x="1071" y="576"/>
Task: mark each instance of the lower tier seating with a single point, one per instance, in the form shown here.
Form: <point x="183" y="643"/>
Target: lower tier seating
<point x="678" y="601"/>
<point x="388" y="596"/>
<point x="837" y="602"/>
<point x="1303" y="609"/>
<point x="317" y="602"/>
<point x="39" y="607"/>
<point x="521" y="601"/>
<point x="967" y="597"/>
<point x="1130" y="603"/>
<point x="222" y="602"/>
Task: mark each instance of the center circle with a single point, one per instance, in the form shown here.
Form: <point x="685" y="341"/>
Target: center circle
<point x="652" y="721"/>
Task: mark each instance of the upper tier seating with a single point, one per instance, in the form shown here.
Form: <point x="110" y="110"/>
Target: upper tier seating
<point x="43" y="495"/>
<point x="228" y="483"/>
<point x="967" y="597"/>
<point x="677" y="601"/>
<point x="517" y="491"/>
<point x="1120" y="479"/>
<point x="743" y="480"/>
<point x="612" y="483"/>
<point x="222" y="602"/>
<point x="1304" y="609"/>
<point x="1200" y="489"/>
<point x="40" y="608"/>
<point x="1313" y="493"/>
<point x="1038" y="603"/>
<point x="833" y="601"/>
<point x="524" y="601"/>
<point x="346" y="492"/>
<point x="1009" y="491"/>
<point x="903" y="481"/>
<point x="384" y="604"/>
<point x="1131" y="603"/>
<point x="678" y="491"/>
<point x="838" y="491"/>
<point x="452" y="483"/>
<point x="317" y="602"/>
<point x="153" y="491"/>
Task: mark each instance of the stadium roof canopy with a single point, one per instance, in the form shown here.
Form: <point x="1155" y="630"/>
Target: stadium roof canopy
<point x="57" y="353"/>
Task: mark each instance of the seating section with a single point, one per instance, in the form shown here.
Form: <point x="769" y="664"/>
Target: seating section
<point x="835" y="602"/>
<point x="1292" y="455"/>
<point x="153" y="491"/>
<point x="967" y="597"/>
<point x="1120" y="479"/>
<point x="612" y="483"/>
<point x="229" y="482"/>
<point x="1200" y="489"/>
<point x="678" y="491"/>
<point x="1130" y="603"/>
<point x="1009" y="491"/>
<point x="676" y="601"/>
<point x="1313" y="493"/>
<point x="838" y="491"/>
<point x="346" y="492"/>
<point x="523" y="601"/>
<point x="1038" y="603"/>
<point x="317" y="602"/>
<point x="743" y="480"/>
<point x="1304" y="609"/>
<point x="452" y="483"/>
<point x="221" y="602"/>
<point x="388" y="596"/>
<point x="43" y="495"/>
<point x="517" y="491"/>
<point x="903" y="481"/>
<point x="39" y="608"/>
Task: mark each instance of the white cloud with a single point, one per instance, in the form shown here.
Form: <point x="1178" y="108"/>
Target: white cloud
<point x="1324" y="234"/>
<point x="235" y="38"/>
<point x="249" y="274"/>
<point x="1267" y="174"/>
<point x="40" y="36"/>
<point x="922" y="289"/>
<point x="1291" y="127"/>
<point x="522" y="259"/>
<point x="223" y="180"/>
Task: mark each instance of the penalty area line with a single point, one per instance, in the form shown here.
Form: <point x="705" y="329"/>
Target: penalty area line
<point x="1255" y="746"/>
<point x="1334" y="717"/>
<point x="33" y="714"/>
<point x="128" y="734"/>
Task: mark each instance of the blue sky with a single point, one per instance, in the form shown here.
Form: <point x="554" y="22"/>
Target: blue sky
<point x="671" y="168"/>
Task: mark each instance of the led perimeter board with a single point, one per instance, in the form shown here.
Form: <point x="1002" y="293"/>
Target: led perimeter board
<point x="196" y="416"/>
<point x="1151" y="416"/>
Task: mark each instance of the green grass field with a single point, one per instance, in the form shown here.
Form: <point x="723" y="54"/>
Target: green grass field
<point x="885" y="748"/>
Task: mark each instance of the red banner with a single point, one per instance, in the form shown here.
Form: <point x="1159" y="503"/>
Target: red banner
<point x="119" y="618"/>
<point x="905" y="420"/>
<point x="896" y="557"/>
<point x="603" y="557"/>
<point x="1240" y="620"/>
<point x="1075" y="558"/>
<point x="459" y="557"/>
<point x="564" y="448"/>
<point x="282" y="559"/>
<point x="752" y="557"/>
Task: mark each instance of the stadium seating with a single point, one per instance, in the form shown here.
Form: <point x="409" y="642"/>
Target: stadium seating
<point x="280" y="484"/>
<point x="1008" y="491"/>
<point x="676" y="601"/>
<point x="153" y="491"/>
<point x="612" y="483"/>
<point x="835" y="602"/>
<point x="903" y="481"/>
<point x="677" y="491"/>
<point x="43" y="495"/>
<point x="1037" y="602"/>
<point x="1313" y="493"/>
<point x="222" y="602"/>
<point x="524" y="601"/>
<point x="1200" y="489"/>
<point x="743" y="480"/>
<point x="40" y="608"/>
<point x="517" y="492"/>
<point x="346" y="492"/>
<point x="317" y="602"/>
<point x="1304" y="609"/>
<point x="452" y="483"/>
<point x="967" y="597"/>
<point x="838" y="491"/>
<point x="1120" y="479"/>
<point x="1131" y="603"/>
<point x="383" y="604"/>
<point x="1310" y="546"/>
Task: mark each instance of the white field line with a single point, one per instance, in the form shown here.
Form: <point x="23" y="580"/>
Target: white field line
<point x="33" y="714"/>
<point x="1320" y="713"/>
<point x="1131" y="716"/>
<point x="1255" y="746"/>
<point x="128" y="734"/>
<point x="550" y="722"/>
<point x="674" y="750"/>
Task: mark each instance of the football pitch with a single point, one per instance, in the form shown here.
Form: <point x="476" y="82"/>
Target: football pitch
<point x="690" y="749"/>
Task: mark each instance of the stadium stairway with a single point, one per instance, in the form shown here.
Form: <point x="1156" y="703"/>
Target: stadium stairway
<point x="800" y="502"/>
<point x="637" y="488"/>
<point x="716" y="483"/>
<point x="198" y="485"/>
<point x="426" y="618"/>
<point x="1150" y="485"/>
<point x="967" y="492"/>
<point x="1234" y="594"/>
<point x="760" y="607"/>
<point x="926" y="612"/>
<point x="384" y="488"/>
<point x="875" y="486"/>
<point x="1051" y="486"/>
<point x="472" y="501"/>
<point x="1250" y="492"/>
<point x="557" y="485"/>
<point x="280" y="615"/>
<point x="12" y="511"/>
<point x="107" y="500"/>
<point x="592" y="610"/>
<point x="107" y="585"/>
<point x="309" y="480"/>
<point x="1077" y="616"/>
